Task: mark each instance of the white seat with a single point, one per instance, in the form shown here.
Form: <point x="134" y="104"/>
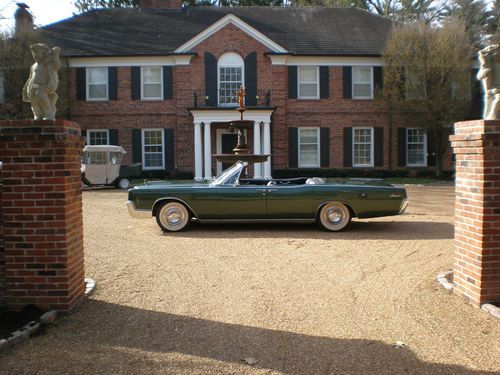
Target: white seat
<point x="315" y="181"/>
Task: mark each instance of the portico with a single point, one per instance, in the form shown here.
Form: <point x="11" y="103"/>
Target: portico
<point x="203" y="120"/>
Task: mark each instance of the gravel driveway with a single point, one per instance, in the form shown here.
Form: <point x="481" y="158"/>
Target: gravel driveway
<point x="297" y="300"/>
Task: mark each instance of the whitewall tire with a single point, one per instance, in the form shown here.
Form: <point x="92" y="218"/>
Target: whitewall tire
<point x="334" y="216"/>
<point x="124" y="183"/>
<point x="173" y="217"/>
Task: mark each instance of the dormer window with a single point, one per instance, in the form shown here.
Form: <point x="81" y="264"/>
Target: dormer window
<point x="231" y="70"/>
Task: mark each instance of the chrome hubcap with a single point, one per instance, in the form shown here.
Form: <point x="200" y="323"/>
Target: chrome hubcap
<point x="174" y="216"/>
<point x="335" y="215"/>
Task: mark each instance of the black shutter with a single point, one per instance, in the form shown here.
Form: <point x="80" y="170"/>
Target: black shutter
<point x="378" y="79"/>
<point x="210" y="80"/>
<point x="169" y="151"/>
<point x="324" y="87"/>
<point x="135" y="82"/>
<point x="293" y="145"/>
<point x="292" y="82"/>
<point x="113" y="137"/>
<point x="136" y="146"/>
<point x="476" y="96"/>
<point x="347" y="81"/>
<point x="168" y="83"/>
<point x="347" y="147"/>
<point x="324" y="136"/>
<point x="113" y="82"/>
<point x="401" y="147"/>
<point x="379" y="147"/>
<point x="81" y="84"/>
<point x="431" y="154"/>
<point x="83" y="133"/>
<point x="251" y="79"/>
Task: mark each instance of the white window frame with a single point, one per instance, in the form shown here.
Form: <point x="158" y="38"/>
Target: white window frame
<point x="89" y="131"/>
<point x="143" y="146"/>
<point x="299" y="82"/>
<point x="318" y="135"/>
<point x="424" y="164"/>
<point x="372" y="148"/>
<point x="221" y="64"/>
<point x="371" y="82"/>
<point x="142" y="83"/>
<point x="87" y="80"/>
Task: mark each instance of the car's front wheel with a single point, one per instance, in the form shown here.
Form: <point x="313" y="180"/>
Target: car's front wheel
<point x="124" y="183"/>
<point x="173" y="217"/>
<point x="334" y="216"/>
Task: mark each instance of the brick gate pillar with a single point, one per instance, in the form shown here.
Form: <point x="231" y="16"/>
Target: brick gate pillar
<point x="476" y="272"/>
<point x="42" y="213"/>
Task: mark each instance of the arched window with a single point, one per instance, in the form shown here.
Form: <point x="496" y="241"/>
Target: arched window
<point x="230" y="70"/>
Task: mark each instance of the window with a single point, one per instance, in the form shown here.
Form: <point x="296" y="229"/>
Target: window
<point x="362" y="82"/>
<point x="97" y="137"/>
<point x="362" y="147"/>
<point x="309" y="148"/>
<point x="416" y="147"/>
<point x="152" y="82"/>
<point x="97" y="87"/>
<point x="308" y="82"/>
<point x="152" y="149"/>
<point x="231" y="78"/>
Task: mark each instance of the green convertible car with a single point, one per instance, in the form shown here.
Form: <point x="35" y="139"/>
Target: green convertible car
<point x="229" y="198"/>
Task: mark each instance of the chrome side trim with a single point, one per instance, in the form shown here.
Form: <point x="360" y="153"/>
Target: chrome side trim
<point x="173" y="199"/>
<point x="257" y="220"/>
<point x="138" y="214"/>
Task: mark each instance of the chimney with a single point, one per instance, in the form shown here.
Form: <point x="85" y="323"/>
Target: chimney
<point x="23" y="18"/>
<point x="160" y="4"/>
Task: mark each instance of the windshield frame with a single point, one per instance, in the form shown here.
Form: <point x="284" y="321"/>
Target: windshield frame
<point x="228" y="173"/>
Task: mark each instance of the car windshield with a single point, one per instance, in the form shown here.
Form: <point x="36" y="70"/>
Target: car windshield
<point x="229" y="176"/>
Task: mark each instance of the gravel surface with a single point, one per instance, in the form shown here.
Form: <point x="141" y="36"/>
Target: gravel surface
<point x="289" y="299"/>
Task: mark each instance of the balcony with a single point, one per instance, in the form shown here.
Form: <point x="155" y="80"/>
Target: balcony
<point x="229" y="99"/>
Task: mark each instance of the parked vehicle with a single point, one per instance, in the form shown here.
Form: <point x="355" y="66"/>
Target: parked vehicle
<point x="229" y="198"/>
<point x="101" y="165"/>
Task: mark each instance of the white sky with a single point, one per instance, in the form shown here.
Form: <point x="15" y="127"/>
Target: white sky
<point x="44" y="11"/>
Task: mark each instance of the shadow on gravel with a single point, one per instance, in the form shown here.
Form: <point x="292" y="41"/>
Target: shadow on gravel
<point x="376" y="230"/>
<point x="118" y="327"/>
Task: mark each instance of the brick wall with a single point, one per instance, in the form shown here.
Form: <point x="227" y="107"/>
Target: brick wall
<point x="476" y="273"/>
<point x="335" y="112"/>
<point x="3" y="300"/>
<point x="42" y="213"/>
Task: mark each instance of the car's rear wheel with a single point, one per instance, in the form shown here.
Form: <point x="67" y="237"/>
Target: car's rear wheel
<point x="334" y="216"/>
<point x="124" y="183"/>
<point x="173" y="217"/>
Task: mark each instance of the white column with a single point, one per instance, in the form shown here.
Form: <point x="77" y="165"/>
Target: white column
<point x="267" y="148"/>
<point x="257" y="170"/>
<point x="198" y="150"/>
<point x="208" y="152"/>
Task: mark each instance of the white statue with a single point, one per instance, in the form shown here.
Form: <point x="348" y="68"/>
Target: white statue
<point x="488" y="57"/>
<point x="40" y="89"/>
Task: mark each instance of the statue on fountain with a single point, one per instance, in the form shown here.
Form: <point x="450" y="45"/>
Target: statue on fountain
<point x="489" y="57"/>
<point x="40" y="89"/>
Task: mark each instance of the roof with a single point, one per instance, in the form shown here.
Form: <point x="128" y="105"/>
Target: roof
<point x="300" y="30"/>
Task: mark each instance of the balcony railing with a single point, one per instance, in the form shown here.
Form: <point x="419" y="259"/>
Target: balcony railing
<point x="226" y="99"/>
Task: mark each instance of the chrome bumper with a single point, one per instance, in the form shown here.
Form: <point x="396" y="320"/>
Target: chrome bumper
<point x="404" y="206"/>
<point x="138" y="214"/>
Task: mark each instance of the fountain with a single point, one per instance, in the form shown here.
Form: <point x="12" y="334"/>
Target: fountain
<point x="241" y="149"/>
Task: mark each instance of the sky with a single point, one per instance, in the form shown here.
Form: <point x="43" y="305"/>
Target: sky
<point x="44" y="11"/>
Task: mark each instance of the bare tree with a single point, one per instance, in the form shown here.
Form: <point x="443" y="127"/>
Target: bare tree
<point x="427" y="80"/>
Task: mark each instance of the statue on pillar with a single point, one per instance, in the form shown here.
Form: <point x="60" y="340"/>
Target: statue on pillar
<point x="40" y="88"/>
<point x="489" y="71"/>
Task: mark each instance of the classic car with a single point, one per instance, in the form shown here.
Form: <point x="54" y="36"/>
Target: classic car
<point x="232" y="198"/>
<point x="101" y="165"/>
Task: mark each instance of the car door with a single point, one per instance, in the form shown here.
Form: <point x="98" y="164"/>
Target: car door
<point x="290" y="202"/>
